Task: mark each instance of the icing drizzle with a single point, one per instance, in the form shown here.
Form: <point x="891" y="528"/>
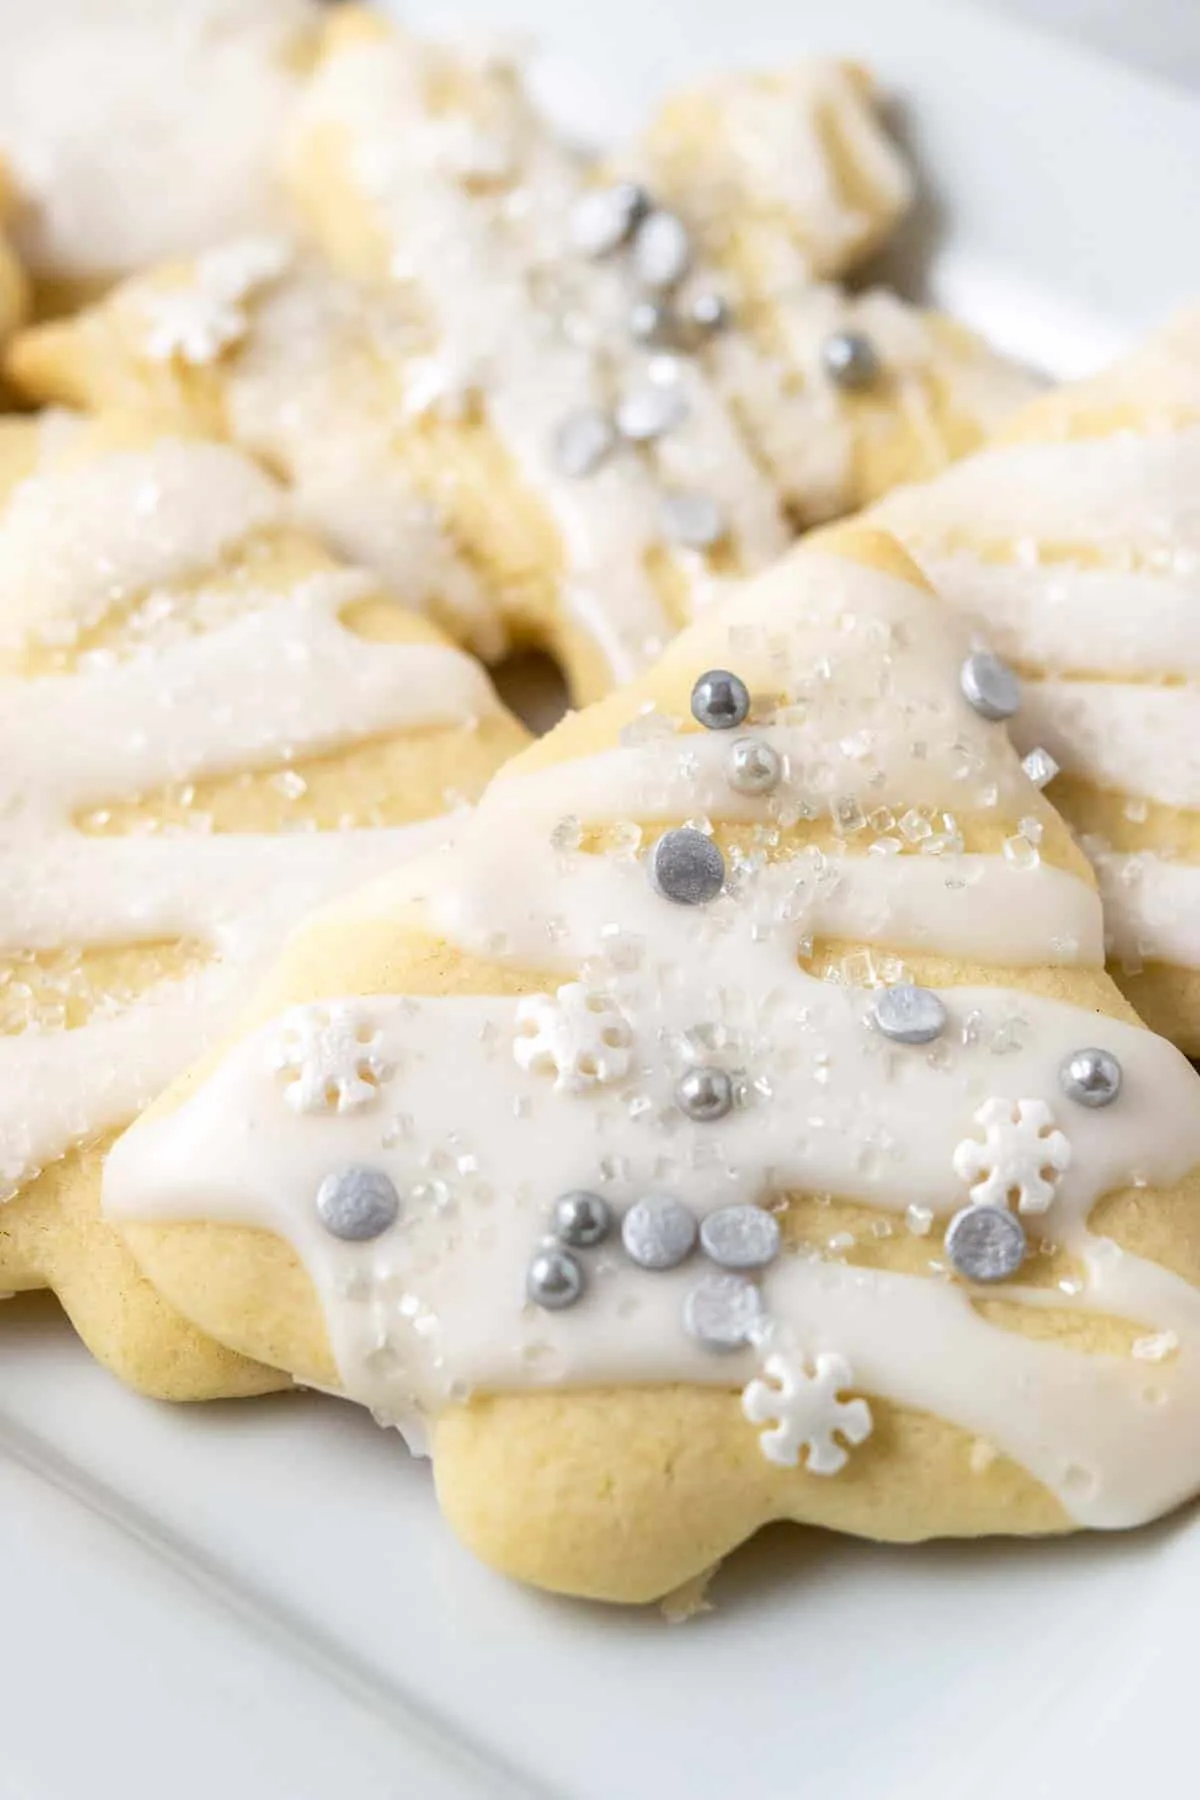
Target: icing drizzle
<point x="276" y="678"/>
<point x="1081" y="559"/>
<point x="479" y="1140"/>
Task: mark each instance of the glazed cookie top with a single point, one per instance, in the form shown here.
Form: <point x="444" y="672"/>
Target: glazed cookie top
<point x="779" y="938"/>
<point x="182" y="670"/>
<point x="668" y="385"/>
<point x="136" y="130"/>
<point x="1075" y="541"/>
<point x="599" y="423"/>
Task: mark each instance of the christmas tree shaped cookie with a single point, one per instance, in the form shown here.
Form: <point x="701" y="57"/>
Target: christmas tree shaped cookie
<point x="752" y="1129"/>
<point x="1075" y="543"/>
<point x="599" y="427"/>
<point x="785" y="178"/>
<point x="207" y="728"/>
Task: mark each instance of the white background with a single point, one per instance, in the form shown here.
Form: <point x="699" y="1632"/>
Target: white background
<point x="1160" y="35"/>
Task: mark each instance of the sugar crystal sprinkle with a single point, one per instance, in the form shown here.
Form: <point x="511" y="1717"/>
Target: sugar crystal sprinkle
<point x="1040" y="767"/>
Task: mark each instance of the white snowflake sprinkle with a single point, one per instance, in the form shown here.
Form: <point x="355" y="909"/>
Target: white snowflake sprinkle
<point x="1021" y="1159"/>
<point x="580" y="1037"/>
<point x="330" y="1058"/>
<point x="803" y="1410"/>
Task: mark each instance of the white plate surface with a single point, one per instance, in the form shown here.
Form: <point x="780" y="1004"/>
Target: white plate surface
<point x="259" y="1601"/>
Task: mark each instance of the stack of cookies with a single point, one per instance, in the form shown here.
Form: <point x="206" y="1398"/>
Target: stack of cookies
<point x="719" y="1110"/>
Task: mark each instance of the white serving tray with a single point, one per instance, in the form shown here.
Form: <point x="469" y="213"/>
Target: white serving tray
<point x="260" y="1602"/>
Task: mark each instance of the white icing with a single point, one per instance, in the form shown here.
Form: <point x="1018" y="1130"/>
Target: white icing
<point x="73" y="547"/>
<point x="1068" y="620"/>
<point x="1131" y="495"/>
<point x="479" y="1146"/>
<point x="1103" y="580"/>
<point x="281" y="680"/>
<point x="1151" y="907"/>
<point x="139" y="130"/>
<point x="306" y="392"/>
<point x="1133" y="737"/>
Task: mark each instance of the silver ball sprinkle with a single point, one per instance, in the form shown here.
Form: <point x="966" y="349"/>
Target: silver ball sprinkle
<point x="851" y="360"/>
<point x="707" y="312"/>
<point x="1091" y="1077"/>
<point x="722" y="1312"/>
<point x="985" y="1243"/>
<point x="989" y="686"/>
<point x="909" y="1015"/>
<point x="705" y="1095"/>
<point x="687" y="867"/>
<point x="602" y="221"/>
<point x="357" y="1203"/>
<point x="658" y="1232"/>
<point x="652" y="322"/>
<point x="695" y="521"/>
<point x="662" y="250"/>
<point x="582" y="1219"/>
<point x="582" y="441"/>
<point x="754" y="766"/>
<point x="554" y="1280"/>
<point x="740" y="1237"/>
<point x="649" y="412"/>
<point x="720" y="700"/>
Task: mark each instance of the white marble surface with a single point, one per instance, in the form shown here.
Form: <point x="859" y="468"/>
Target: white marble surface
<point x="1160" y="36"/>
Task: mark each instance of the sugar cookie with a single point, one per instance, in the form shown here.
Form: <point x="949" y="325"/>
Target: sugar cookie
<point x="137" y="130"/>
<point x="752" y="1037"/>
<point x="1074" y="541"/>
<point x="521" y="347"/>
<point x="786" y="170"/>
<point x="784" y="177"/>
<point x="207" y="727"/>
